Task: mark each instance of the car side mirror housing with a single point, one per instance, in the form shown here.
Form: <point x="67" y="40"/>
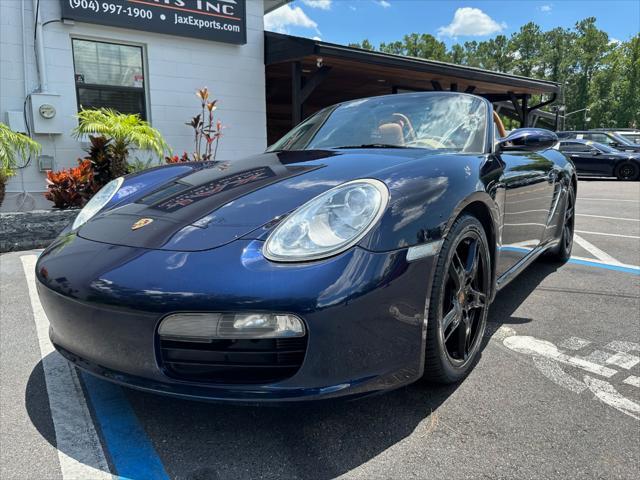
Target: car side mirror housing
<point x="595" y="152"/>
<point x="528" y="139"/>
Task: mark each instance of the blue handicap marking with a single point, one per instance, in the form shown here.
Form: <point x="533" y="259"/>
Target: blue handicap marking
<point x="129" y="448"/>
<point x="581" y="261"/>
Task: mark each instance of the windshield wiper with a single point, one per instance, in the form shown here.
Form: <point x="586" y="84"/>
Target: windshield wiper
<point x="372" y="145"/>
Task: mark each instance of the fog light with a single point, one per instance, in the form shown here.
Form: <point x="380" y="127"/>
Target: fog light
<point x="204" y="327"/>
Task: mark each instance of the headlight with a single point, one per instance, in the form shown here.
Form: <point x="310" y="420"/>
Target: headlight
<point x="97" y="202"/>
<point x="330" y="223"/>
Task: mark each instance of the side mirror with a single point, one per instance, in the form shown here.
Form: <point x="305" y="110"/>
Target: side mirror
<point x="528" y="139"/>
<point x="595" y="152"/>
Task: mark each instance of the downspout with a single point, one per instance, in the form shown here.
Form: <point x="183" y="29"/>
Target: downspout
<point x="24" y="51"/>
<point x="39" y="47"/>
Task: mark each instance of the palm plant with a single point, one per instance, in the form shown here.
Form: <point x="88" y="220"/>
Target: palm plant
<point x="13" y="146"/>
<point x="123" y="131"/>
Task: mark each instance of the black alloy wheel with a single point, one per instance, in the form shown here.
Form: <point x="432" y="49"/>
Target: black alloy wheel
<point x="569" y="222"/>
<point x="459" y="302"/>
<point x="562" y="251"/>
<point x="627" y="171"/>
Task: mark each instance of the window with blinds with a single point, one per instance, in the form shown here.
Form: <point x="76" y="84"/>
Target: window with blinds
<point x="109" y="75"/>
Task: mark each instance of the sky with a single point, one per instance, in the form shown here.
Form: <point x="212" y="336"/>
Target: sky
<point x="451" y="21"/>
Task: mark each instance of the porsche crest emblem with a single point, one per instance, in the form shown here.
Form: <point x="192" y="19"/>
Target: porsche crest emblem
<point x="141" y="223"/>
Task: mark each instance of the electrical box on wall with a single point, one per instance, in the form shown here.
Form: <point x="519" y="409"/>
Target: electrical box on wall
<point x="45" y="163"/>
<point x="45" y="113"/>
<point x="15" y="120"/>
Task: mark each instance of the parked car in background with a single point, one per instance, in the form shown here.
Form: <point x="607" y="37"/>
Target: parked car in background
<point x="609" y="139"/>
<point x="592" y="158"/>
<point x="631" y="134"/>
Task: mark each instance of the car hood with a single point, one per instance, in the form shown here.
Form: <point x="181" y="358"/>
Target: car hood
<point x="212" y="206"/>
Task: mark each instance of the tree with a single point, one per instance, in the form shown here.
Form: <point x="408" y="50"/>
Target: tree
<point x="395" y="48"/>
<point x="456" y="54"/>
<point x="557" y="54"/>
<point x="594" y="73"/>
<point x="365" y="45"/>
<point x="471" y="54"/>
<point x="494" y="54"/>
<point x="13" y="146"/>
<point x="526" y="48"/>
<point x="630" y="89"/>
<point x="591" y="46"/>
<point x="424" y="46"/>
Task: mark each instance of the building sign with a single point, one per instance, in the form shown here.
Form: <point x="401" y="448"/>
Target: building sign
<point x="218" y="20"/>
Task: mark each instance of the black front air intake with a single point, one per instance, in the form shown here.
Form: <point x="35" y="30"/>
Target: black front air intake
<point x="233" y="361"/>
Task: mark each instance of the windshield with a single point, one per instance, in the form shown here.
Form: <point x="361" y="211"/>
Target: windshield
<point x="632" y="137"/>
<point x="453" y="122"/>
<point x="621" y="139"/>
<point x="602" y="147"/>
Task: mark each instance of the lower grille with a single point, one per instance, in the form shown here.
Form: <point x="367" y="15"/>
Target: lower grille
<point x="233" y="361"/>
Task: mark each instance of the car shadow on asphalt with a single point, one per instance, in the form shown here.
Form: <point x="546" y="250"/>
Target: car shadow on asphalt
<point x="208" y="441"/>
<point x="508" y="299"/>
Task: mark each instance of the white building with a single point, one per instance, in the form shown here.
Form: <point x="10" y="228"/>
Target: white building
<point x="109" y="53"/>
<point x="154" y="74"/>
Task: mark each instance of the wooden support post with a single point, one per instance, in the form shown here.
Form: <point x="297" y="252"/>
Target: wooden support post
<point x="453" y="87"/>
<point x="316" y="79"/>
<point x="516" y="106"/>
<point x="436" y="85"/>
<point x="525" y="111"/>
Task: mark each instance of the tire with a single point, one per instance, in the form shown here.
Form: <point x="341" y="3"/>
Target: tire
<point x="459" y="302"/>
<point x="561" y="253"/>
<point x="627" y="171"/>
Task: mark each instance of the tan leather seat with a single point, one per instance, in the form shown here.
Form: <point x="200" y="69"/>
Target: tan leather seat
<point x="499" y="125"/>
<point x="391" y="133"/>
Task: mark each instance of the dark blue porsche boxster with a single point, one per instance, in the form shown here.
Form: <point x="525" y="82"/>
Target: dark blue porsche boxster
<point x="358" y="254"/>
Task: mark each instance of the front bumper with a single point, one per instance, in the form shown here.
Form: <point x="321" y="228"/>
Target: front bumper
<point x="364" y="312"/>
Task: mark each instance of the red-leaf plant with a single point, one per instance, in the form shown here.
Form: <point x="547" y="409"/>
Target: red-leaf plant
<point x="72" y="187"/>
<point x="207" y="130"/>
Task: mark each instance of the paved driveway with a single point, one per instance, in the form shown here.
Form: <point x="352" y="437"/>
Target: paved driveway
<point x="556" y="393"/>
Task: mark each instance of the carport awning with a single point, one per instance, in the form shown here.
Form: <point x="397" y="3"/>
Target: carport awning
<point x="397" y="70"/>
<point x="304" y="75"/>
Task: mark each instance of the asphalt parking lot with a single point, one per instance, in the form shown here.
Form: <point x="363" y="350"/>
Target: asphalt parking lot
<point x="556" y="393"/>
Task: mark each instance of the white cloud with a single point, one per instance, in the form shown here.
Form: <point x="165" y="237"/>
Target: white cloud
<point x="383" y="3"/>
<point x="321" y="4"/>
<point x="286" y="16"/>
<point x="546" y="8"/>
<point x="317" y="38"/>
<point x="468" y="21"/>
<point x="614" y="41"/>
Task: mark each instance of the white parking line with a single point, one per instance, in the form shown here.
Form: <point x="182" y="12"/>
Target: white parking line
<point x="623" y="346"/>
<point x="608" y="218"/>
<point x="552" y="370"/>
<point x="632" y="380"/>
<point x="608" y="234"/>
<point x="607" y="393"/>
<point x="574" y="343"/>
<point x="608" y="199"/>
<point x="543" y="348"/>
<point x="548" y="359"/>
<point x="79" y="449"/>
<point x="595" y="251"/>
<point x="623" y="360"/>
